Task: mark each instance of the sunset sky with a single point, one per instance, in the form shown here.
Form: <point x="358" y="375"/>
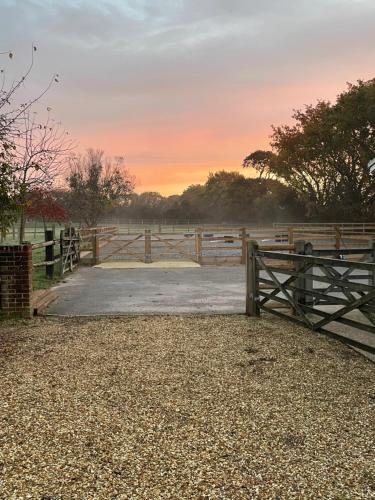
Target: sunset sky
<point x="184" y="87"/>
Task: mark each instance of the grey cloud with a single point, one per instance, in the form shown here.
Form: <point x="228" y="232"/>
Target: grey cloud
<point x="152" y="57"/>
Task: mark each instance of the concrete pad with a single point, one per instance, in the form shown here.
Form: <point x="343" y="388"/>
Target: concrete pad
<point x="95" y="291"/>
<point x="161" y="264"/>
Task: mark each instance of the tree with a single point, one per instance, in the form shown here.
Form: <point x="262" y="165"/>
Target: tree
<point x="8" y="185"/>
<point x="41" y="205"/>
<point x="147" y="205"/>
<point x="277" y="203"/>
<point x="19" y="143"/>
<point x="40" y="153"/>
<point x="260" y="161"/>
<point x="324" y="156"/>
<point x="11" y="112"/>
<point x="97" y="185"/>
<point x="8" y="205"/>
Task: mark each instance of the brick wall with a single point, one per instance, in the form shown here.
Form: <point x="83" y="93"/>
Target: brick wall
<point x="15" y="280"/>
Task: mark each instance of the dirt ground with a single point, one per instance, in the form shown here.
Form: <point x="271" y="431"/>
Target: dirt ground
<point x="182" y="407"/>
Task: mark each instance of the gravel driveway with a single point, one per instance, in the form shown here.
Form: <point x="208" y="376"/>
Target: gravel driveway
<point x="182" y="407"/>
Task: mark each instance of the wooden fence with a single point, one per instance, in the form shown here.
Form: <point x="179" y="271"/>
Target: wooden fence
<point x="213" y="245"/>
<point x="357" y="227"/>
<point x="69" y="252"/>
<point x="341" y="235"/>
<point x="206" y="247"/>
<point x="284" y="284"/>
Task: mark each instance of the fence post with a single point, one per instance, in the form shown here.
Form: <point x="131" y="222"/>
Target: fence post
<point x="337" y="240"/>
<point x="372" y="257"/>
<point x="95" y="248"/>
<point x="299" y="295"/>
<point x="309" y="282"/>
<point x="244" y="237"/>
<point x="71" y="234"/>
<point x="305" y="284"/>
<point x="62" y="253"/>
<point x="48" y="234"/>
<point x="290" y="236"/>
<point x="252" y="280"/>
<point x="148" y="246"/>
<point x="198" y="245"/>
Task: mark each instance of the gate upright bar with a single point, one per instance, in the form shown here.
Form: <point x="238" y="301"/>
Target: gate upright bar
<point x="148" y="259"/>
<point x="252" y="280"/>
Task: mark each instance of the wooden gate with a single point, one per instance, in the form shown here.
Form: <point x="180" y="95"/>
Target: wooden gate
<point x="285" y="285"/>
<point x="168" y="246"/>
<point x="69" y="249"/>
<point x="144" y="247"/>
<point x="124" y="247"/>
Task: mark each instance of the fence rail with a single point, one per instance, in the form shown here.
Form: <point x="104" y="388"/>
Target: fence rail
<point x="284" y="284"/>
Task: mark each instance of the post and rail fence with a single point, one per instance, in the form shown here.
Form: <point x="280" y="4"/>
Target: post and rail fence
<point x="206" y="247"/>
<point x="214" y="245"/>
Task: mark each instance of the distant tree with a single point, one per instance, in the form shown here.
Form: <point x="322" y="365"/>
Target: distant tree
<point x="277" y="203"/>
<point x="261" y="162"/>
<point x="147" y="205"/>
<point x="188" y="206"/>
<point x="225" y="197"/>
<point x="96" y="186"/>
<point x="231" y="197"/>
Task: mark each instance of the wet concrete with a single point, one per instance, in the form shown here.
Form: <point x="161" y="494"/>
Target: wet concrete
<point x="123" y="291"/>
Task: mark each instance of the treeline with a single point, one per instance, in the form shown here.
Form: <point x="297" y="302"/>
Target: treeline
<point x="225" y="197"/>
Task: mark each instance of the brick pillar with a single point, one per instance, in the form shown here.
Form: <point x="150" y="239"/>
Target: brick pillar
<point x="15" y="280"/>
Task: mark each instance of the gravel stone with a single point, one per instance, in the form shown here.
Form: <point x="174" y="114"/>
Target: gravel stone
<point x="216" y="407"/>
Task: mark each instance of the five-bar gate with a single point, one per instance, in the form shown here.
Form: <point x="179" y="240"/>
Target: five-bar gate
<point x="315" y="291"/>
